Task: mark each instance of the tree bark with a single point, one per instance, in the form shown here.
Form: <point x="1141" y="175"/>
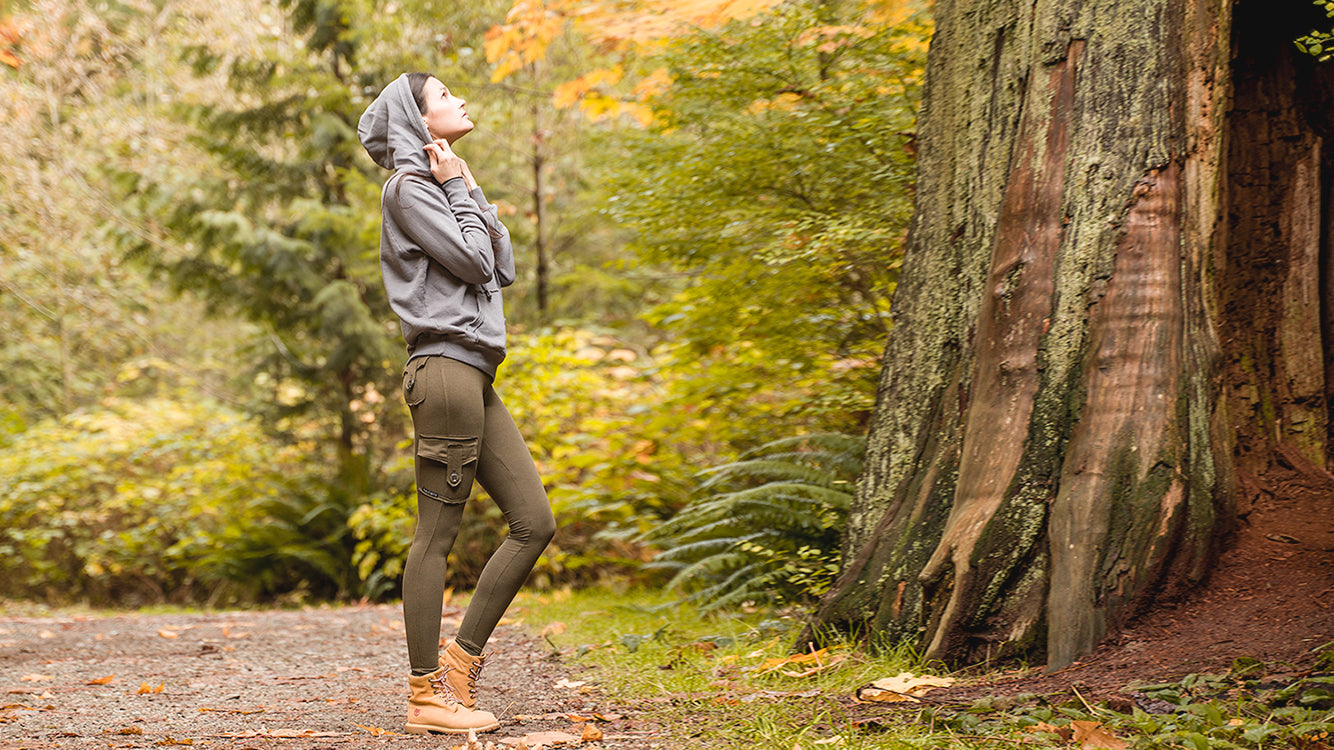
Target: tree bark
<point x="1053" y="441"/>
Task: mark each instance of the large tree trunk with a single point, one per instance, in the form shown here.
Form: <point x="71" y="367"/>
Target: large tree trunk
<point x="1077" y="336"/>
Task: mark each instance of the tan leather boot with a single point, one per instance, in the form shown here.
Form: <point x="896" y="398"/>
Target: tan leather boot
<point x="462" y="670"/>
<point x="434" y="708"/>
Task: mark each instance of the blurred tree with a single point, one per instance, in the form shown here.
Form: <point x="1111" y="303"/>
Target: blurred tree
<point x="79" y="84"/>
<point x="774" y="176"/>
<point x="282" y="228"/>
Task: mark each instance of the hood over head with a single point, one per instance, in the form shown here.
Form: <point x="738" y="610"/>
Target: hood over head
<point x="393" y="131"/>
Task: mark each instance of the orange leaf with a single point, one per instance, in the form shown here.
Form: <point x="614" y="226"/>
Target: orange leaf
<point x="591" y="733"/>
<point x="101" y="680"/>
<point x="1092" y="736"/>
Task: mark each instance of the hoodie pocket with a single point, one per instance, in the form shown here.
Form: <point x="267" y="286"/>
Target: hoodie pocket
<point x="446" y="467"/>
<point x="481" y="296"/>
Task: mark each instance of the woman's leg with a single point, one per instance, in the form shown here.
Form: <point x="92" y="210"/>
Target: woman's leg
<point x="505" y="469"/>
<point x="446" y="397"/>
<point x="424" y="580"/>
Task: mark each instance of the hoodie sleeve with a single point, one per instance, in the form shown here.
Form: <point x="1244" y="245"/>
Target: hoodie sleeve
<point x="445" y="223"/>
<point x="500" y="238"/>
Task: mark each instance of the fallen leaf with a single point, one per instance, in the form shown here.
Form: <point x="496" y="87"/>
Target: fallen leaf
<point x="870" y="694"/>
<point x="591" y="733"/>
<point x="168" y="633"/>
<point x="1091" y="735"/>
<point x="816" y="669"/>
<point x="905" y="686"/>
<point x="174" y="741"/>
<point x="46" y="634"/>
<point x="835" y="740"/>
<point x="555" y="628"/>
<point x="101" y="680"/>
<point x="130" y="730"/>
<point x="568" y="684"/>
<point x="34" y="677"/>
<point x="550" y="738"/>
<point x="821" y="659"/>
<point x="377" y="731"/>
<point x="910" y="684"/>
<point x="1042" y="726"/>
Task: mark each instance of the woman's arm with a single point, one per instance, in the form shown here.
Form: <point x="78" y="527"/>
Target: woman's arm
<point x="446" y="224"/>
<point x="501" y="248"/>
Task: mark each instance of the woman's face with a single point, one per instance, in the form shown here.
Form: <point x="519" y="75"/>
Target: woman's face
<point x="445" y="114"/>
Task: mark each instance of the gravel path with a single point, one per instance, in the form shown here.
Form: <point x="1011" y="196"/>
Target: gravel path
<point x="292" y="679"/>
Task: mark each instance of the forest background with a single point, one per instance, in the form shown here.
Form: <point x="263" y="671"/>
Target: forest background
<point x="199" y="371"/>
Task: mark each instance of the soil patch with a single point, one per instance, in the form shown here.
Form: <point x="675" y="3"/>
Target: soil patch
<point x="1269" y="597"/>
<point x="314" y="678"/>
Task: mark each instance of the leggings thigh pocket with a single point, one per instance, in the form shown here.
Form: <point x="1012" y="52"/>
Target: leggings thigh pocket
<point x="414" y="392"/>
<point x="446" y="467"/>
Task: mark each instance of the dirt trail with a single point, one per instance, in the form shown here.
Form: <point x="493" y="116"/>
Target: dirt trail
<point x="296" y="680"/>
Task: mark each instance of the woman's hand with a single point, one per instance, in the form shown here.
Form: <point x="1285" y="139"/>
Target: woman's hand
<point x="467" y="176"/>
<point x="445" y="164"/>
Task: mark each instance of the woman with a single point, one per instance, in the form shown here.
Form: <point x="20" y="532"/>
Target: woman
<point x="445" y="256"/>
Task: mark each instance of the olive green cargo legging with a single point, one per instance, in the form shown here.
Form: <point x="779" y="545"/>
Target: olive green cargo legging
<point x="462" y="432"/>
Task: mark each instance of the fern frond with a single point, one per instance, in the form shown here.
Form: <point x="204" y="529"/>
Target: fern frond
<point x="711" y="564"/>
<point x="705" y="548"/>
<point x="765" y="527"/>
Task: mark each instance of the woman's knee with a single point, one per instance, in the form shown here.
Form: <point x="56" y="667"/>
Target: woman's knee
<point x="535" y="528"/>
<point x="546" y="530"/>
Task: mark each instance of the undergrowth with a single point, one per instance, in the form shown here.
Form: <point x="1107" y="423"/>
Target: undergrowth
<point x="729" y="679"/>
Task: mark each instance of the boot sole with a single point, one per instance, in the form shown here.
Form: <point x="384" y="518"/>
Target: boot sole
<point x="432" y="729"/>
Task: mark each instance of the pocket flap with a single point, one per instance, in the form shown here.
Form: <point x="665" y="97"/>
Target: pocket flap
<point x="454" y="452"/>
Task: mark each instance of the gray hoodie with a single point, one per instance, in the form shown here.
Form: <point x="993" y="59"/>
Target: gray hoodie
<point x="443" y="251"/>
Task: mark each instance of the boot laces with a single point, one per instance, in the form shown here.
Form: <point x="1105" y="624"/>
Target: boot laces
<point x="475" y="673"/>
<point x="441" y="687"/>
<point x="475" y="670"/>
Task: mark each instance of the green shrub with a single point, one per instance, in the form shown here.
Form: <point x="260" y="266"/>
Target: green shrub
<point x="153" y="500"/>
<point x="767" y="527"/>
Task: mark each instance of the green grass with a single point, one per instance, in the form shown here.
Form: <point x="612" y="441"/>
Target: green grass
<point x="710" y="681"/>
<point x="716" y="681"/>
